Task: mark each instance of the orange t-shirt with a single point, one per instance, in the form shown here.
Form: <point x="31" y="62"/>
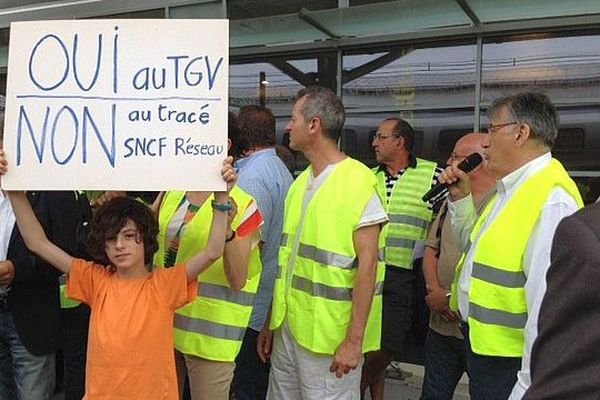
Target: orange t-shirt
<point x="130" y="346"/>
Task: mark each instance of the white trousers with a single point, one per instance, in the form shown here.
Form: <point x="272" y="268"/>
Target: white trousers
<point x="298" y="374"/>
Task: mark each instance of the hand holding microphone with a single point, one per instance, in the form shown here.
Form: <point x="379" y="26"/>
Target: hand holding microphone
<point x="455" y="179"/>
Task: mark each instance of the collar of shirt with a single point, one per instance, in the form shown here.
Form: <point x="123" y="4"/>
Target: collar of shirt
<point x="245" y="161"/>
<point x="515" y="178"/>
<point x="412" y="163"/>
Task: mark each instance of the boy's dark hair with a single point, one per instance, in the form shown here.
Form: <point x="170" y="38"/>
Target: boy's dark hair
<point x="112" y="217"/>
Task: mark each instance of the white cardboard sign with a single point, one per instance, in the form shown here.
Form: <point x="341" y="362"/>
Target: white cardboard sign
<point x="117" y="105"/>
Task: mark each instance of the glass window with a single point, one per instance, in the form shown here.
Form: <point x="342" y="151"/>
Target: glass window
<point x="566" y="69"/>
<point x="413" y="78"/>
<point x="432" y="88"/>
<point x="279" y="88"/>
<point x="510" y="10"/>
<point x="145" y="14"/>
<point x="202" y="10"/>
<point x="238" y="9"/>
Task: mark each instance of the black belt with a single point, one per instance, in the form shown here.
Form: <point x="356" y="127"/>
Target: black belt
<point x="393" y="268"/>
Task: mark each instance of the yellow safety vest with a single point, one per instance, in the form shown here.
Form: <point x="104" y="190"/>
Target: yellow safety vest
<point x="316" y="298"/>
<point x="409" y="216"/>
<point x="497" y="302"/>
<point x="213" y="326"/>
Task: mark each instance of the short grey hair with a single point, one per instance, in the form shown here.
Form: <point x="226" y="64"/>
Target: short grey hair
<point x="321" y="102"/>
<point x="533" y="109"/>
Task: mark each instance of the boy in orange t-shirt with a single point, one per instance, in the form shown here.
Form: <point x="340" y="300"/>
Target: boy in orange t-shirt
<point x="130" y="346"/>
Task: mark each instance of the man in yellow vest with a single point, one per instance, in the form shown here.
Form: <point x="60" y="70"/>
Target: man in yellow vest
<point x="501" y="278"/>
<point x="326" y="309"/>
<point x="402" y="181"/>
<point x="445" y="358"/>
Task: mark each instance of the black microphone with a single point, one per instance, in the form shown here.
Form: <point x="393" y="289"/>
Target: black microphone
<point x="467" y="165"/>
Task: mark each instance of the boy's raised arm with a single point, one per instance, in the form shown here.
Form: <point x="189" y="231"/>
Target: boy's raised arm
<point x="218" y="229"/>
<point x="32" y="232"/>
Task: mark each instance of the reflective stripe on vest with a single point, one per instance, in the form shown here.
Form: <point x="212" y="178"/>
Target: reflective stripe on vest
<point x="497" y="317"/>
<point x="328" y="292"/>
<point x="225" y="293"/>
<point x="326" y="257"/>
<point x="409" y="216"/>
<point x="497" y="303"/>
<point x="320" y="282"/>
<point x="213" y="326"/>
<point x="209" y="328"/>
<point x="400" y="243"/>
<point x="409" y="220"/>
<point x="498" y="276"/>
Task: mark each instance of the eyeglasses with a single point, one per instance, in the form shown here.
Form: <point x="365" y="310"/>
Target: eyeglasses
<point x="455" y="156"/>
<point x="382" y="136"/>
<point x="497" y="127"/>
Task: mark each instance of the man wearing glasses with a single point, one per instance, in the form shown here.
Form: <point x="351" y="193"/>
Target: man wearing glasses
<point x="500" y="280"/>
<point x="402" y="179"/>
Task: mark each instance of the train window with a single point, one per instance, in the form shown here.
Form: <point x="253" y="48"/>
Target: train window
<point x="569" y="140"/>
<point x="418" y="142"/>
<point x="589" y="187"/>
<point x="448" y="137"/>
<point x="348" y="142"/>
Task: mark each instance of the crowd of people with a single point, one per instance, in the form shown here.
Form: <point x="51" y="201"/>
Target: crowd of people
<point x="282" y="288"/>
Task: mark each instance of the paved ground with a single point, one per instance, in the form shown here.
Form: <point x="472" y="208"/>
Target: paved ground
<point x="407" y="389"/>
<point x="410" y="388"/>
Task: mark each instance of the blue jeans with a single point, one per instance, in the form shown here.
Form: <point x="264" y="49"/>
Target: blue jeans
<point x="23" y="376"/>
<point x="490" y="378"/>
<point x="445" y="362"/>
<point x="251" y="376"/>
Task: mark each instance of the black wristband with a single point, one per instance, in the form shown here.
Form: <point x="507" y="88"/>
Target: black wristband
<point x="229" y="239"/>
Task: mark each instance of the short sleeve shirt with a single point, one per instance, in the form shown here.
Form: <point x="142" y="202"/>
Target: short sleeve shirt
<point x="130" y="345"/>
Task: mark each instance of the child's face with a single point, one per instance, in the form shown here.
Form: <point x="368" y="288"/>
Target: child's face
<point x="126" y="250"/>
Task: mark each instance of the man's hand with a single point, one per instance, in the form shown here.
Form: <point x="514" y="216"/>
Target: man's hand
<point x="264" y="344"/>
<point x="7" y="272"/>
<point x="459" y="185"/>
<point x="437" y="301"/>
<point x="3" y="164"/>
<point x="228" y="173"/>
<point x="346" y="358"/>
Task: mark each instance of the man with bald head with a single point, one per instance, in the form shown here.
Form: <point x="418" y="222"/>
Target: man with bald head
<point x="445" y="357"/>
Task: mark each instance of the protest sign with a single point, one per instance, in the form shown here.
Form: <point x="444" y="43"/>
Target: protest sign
<point x="117" y="105"/>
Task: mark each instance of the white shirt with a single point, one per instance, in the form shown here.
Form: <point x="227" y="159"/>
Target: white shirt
<point x="7" y="223"/>
<point x="537" y="253"/>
